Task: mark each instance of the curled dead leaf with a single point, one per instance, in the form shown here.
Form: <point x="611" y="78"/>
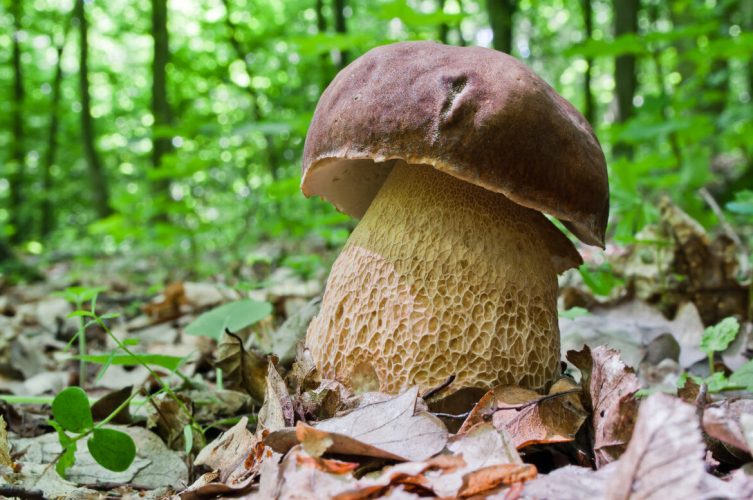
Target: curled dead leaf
<point x="242" y="369"/>
<point x="608" y="392"/>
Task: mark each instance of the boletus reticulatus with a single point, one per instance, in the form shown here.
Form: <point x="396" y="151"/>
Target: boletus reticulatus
<point x="449" y="156"/>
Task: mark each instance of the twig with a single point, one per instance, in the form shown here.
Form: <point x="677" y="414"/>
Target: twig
<point x="8" y="490"/>
<point x="109" y="485"/>
<point x="436" y="390"/>
<point x="536" y="401"/>
<point x="453" y="416"/>
<point x="711" y="202"/>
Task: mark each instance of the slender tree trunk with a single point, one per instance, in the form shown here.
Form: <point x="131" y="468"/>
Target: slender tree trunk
<point x="443" y="30"/>
<point x="325" y="71"/>
<point x="161" y="145"/>
<point x="18" y="168"/>
<point x="589" y="109"/>
<point x="100" y="195"/>
<point x="47" y="214"/>
<point x="256" y="112"/>
<point x="338" y="6"/>
<point x="625" y="21"/>
<point x="501" y="14"/>
<point x="461" y="39"/>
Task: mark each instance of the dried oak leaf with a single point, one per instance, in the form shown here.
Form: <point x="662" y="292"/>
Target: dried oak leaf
<point x="608" y="392"/>
<point x="530" y="418"/>
<point x="665" y="456"/>
<point x="242" y="369"/>
<point x="277" y="412"/>
<point x="390" y="429"/>
<point x="236" y="459"/>
<point x="722" y="421"/>
<point x="664" y="460"/>
<point x="169" y="305"/>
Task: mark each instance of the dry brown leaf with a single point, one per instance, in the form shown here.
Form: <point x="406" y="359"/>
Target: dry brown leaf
<point x="390" y="429"/>
<point x="327" y="465"/>
<point x="242" y="369"/>
<point x="530" y="418"/>
<point x="488" y="478"/>
<point x="608" y="390"/>
<point x="663" y="461"/>
<point x="314" y="441"/>
<point x="569" y="483"/>
<point x="168" y="419"/>
<point x="277" y="411"/>
<point x="394" y="427"/>
<point x="236" y="458"/>
<point x="168" y="308"/>
<point x="665" y="456"/>
<point x="229" y="451"/>
<point x="722" y="421"/>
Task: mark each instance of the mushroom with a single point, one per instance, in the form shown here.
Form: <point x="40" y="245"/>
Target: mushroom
<point x="449" y="156"/>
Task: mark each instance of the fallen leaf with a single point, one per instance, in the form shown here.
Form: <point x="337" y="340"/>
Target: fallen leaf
<point x="488" y="478"/>
<point x="242" y="369"/>
<point x="631" y="327"/>
<point x="108" y="403"/>
<point x="155" y="465"/>
<point x="313" y="441"/>
<point x="277" y="411"/>
<point x="327" y="465"/>
<point x="530" y="418"/>
<point x="569" y="483"/>
<point x="5" y="459"/>
<point x="389" y="429"/>
<point x="228" y="452"/>
<point x="665" y="455"/>
<point x="168" y="420"/>
<point x="392" y="426"/>
<point x="167" y="306"/>
<point x="608" y="390"/>
<point x="722" y="421"/>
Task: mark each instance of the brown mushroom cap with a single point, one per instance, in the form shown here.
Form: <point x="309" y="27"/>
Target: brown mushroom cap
<point x="474" y="113"/>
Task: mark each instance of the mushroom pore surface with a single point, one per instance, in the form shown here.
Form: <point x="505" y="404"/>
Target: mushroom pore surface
<point x="442" y="277"/>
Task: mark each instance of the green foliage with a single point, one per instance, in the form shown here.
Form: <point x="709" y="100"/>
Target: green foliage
<point x="170" y="363"/>
<point x="718" y="337"/>
<point x="112" y="449"/>
<point x="601" y="280"/>
<point x="233" y="316"/>
<point x="243" y="82"/>
<point x="70" y="409"/>
<point x="574" y="312"/>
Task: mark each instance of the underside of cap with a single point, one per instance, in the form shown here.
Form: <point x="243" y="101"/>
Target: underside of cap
<point x="473" y="113"/>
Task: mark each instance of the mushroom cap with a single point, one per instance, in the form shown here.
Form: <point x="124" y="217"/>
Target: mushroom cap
<point x="474" y="113"/>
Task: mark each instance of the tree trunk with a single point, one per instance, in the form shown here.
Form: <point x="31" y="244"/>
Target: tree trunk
<point x="98" y="181"/>
<point x="161" y="144"/>
<point x="501" y="21"/>
<point x="17" y="176"/>
<point x="338" y="6"/>
<point x="47" y="215"/>
<point x="589" y="110"/>
<point x="625" y="21"/>
<point x="256" y="112"/>
<point x="325" y="69"/>
<point x="443" y="30"/>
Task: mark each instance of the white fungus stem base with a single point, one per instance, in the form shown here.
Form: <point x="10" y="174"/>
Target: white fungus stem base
<point x="442" y="278"/>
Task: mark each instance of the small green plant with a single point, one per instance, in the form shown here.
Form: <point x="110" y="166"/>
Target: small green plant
<point x="71" y="412"/>
<point x="717" y="338"/>
<point x="78" y="296"/>
<point x="601" y="280"/>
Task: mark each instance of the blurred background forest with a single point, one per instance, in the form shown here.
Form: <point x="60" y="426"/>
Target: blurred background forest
<point x="172" y="132"/>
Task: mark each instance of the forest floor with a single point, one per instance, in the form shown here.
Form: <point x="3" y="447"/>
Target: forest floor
<point x="656" y="399"/>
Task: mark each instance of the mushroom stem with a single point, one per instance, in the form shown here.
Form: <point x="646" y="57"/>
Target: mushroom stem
<point x="442" y="278"/>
